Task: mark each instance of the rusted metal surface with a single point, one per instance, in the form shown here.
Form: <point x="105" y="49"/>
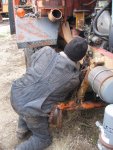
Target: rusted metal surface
<point x="80" y="19"/>
<point x="55" y="15"/>
<point x="85" y="83"/>
<point x="92" y="105"/>
<point x="4" y="6"/>
<point x="49" y="4"/>
<point x="33" y="32"/>
<point x="83" y="88"/>
<point x="67" y="6"/>
<point x="104" y="55"/>
<point x="44" y="6"/>
<point x="72" y="105"/>
<point x="56" y="115"/>
<point x="16" y="2"/>
<point x="78" y="5"/>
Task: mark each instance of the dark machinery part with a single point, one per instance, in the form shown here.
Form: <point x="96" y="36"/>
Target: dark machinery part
<point x="111" y="39"/>
<point x="11" y="17"/>
<point x="97" y="26"/>
<point x="111" y="34"/>
<point x="95" y="22"/>
<point x="23" y="2"/>
<point x="90" y="19"/>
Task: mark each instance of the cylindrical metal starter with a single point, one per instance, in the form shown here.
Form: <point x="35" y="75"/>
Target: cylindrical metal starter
<point x="101" y="81"/>
<point x="105" y="141"/>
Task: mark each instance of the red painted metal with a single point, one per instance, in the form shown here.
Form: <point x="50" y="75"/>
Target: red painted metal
<point x="104" y="52"/>
<point x="49" y="4"/>
<point x="16" y="2"/>
<point x="44" y="6"/>
<point x="72" y="105"/>
<point x="78" y="5"/>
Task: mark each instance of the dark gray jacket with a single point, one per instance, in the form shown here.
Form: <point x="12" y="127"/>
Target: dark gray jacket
<point x="49" y="80"/>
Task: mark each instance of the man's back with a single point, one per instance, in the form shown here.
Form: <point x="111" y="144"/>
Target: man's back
<point x="51" y="76"/>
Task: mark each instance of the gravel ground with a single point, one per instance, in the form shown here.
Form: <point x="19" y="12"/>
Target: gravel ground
<point x="78" y="132"/>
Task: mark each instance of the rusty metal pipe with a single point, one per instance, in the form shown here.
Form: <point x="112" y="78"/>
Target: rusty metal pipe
<point x="55" y="15"/>
<point x="72" y="105"/>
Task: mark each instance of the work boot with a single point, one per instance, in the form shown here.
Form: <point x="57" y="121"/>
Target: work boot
<point x="34" y="143"/>
<point x="22" y="133"/>
<point x="22" y="130"/>
<point x="40" y="138"/>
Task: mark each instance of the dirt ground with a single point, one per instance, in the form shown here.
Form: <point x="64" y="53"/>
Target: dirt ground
<point x="79" y="131"/>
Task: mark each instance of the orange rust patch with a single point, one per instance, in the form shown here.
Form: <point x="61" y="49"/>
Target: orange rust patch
<point x="33" y="30"/>
<point x="21" y="36"/>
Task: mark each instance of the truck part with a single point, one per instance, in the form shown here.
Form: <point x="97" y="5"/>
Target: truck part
<point x="56" y="115"/>
<point x="103" y="54"/>
<point x="83" y="88"/>
<point x="95" y="22"/>
<point x="104" y="22"/>
<point x="111" y="39"/>
<point x="44" y="7"/>
<point x="55" y="15"/>
<point x="11" y="17"/>
<point x="4" y="6"/>
<point x="20" y="12"/>
<point x="111" y="33"/>
<point x="80" y="19"/>
<point x="105" y="141"/>
<point x="1" y="18"/>
<point x="3" y="9"/>
<point x="33" y="32"/>
<point x="101" y="81"/>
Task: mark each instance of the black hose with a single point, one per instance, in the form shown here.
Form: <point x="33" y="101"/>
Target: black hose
<point x="95" y="23"/>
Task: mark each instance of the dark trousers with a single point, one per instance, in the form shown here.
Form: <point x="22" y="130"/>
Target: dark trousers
<point x="40" y="138"/>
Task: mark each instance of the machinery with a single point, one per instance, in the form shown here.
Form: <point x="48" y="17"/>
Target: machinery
<point x="89" y="19"/>
<point x="3" y="8"/>
<point x="56" y="22"/>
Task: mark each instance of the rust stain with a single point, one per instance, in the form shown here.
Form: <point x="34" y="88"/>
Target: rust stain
<point x="30" y="29"/>
<point x="31" y="25"/>
<point x="21" y="36"/>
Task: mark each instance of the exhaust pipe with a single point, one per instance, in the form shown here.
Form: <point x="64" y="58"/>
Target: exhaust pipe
<point x="55" y="15"/>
